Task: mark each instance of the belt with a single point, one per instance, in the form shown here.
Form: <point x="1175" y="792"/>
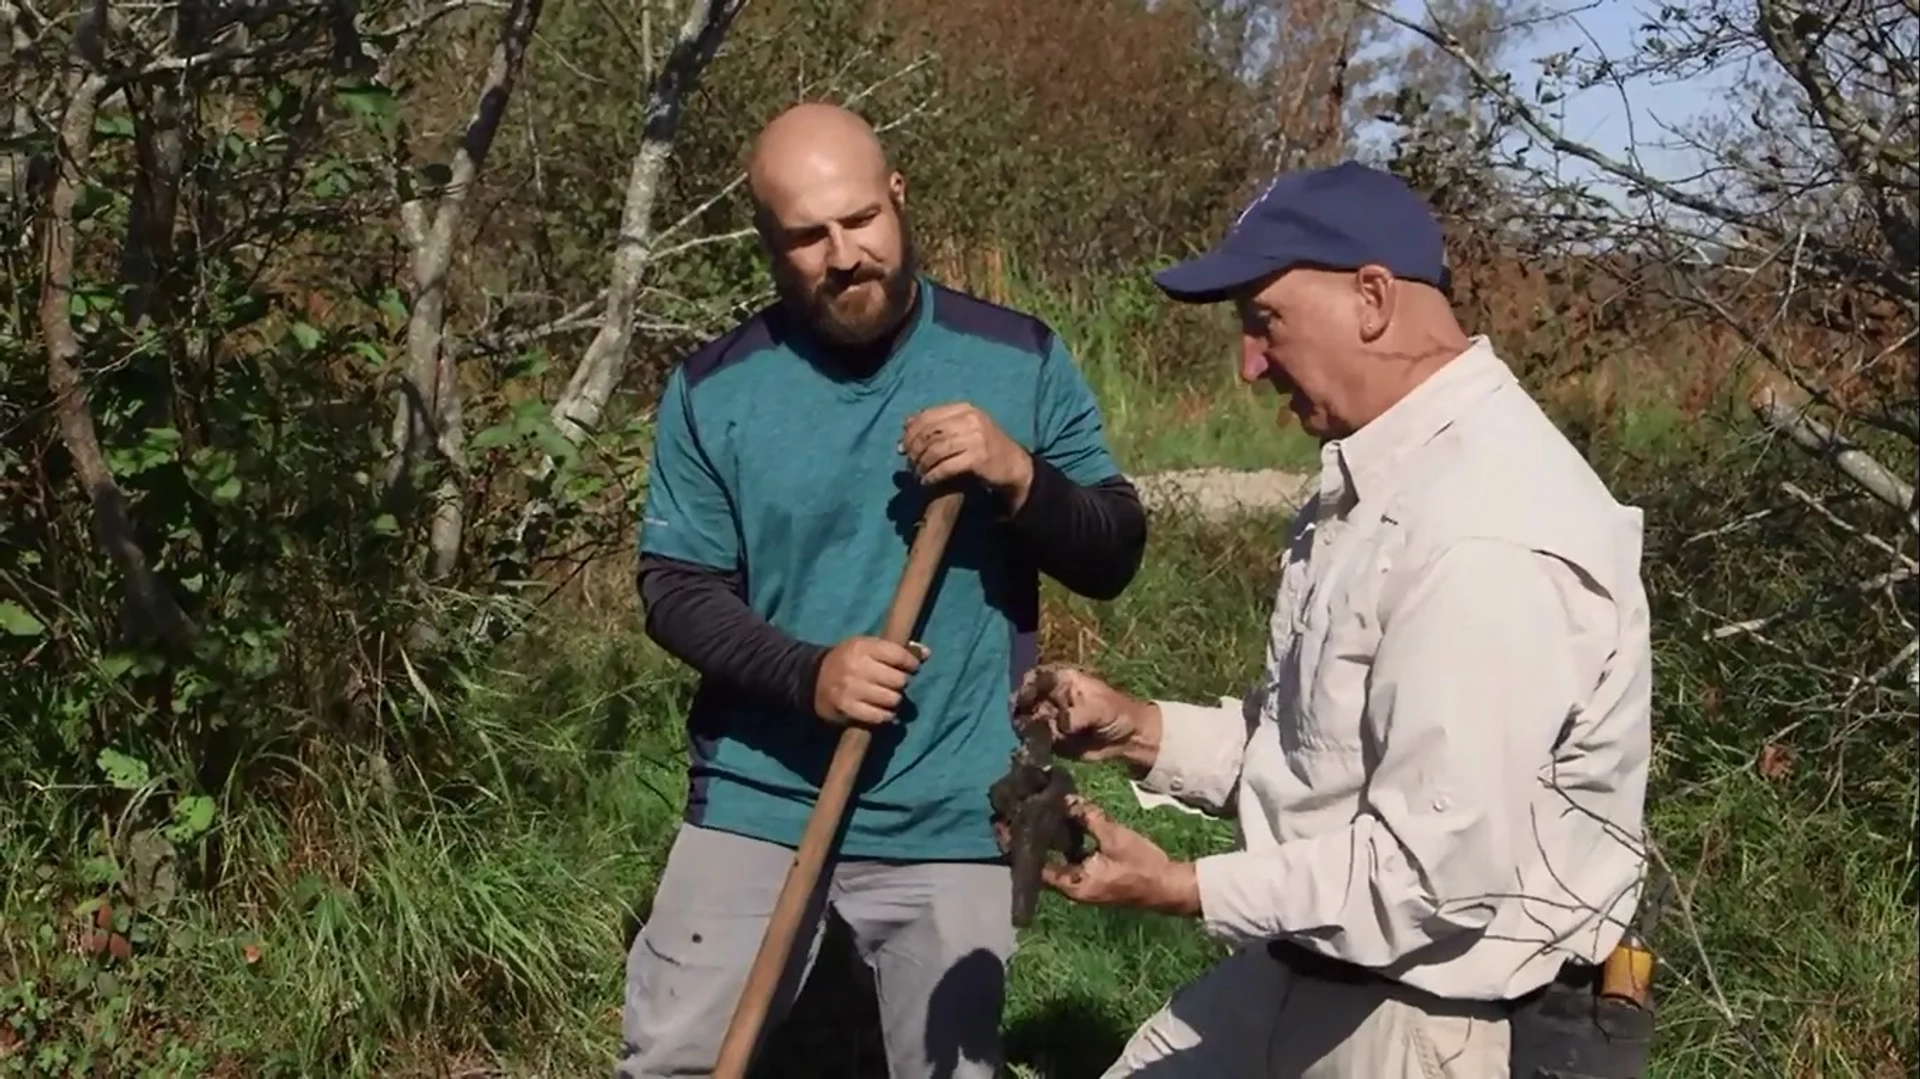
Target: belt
<point x="1308" y="963"/>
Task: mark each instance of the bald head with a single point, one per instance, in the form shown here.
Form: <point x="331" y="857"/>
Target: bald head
<point x="812" y="144"/>
<point x="831" y="214"/>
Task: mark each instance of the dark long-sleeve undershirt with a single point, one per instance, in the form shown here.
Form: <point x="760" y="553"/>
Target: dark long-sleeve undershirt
<point x="1089" y="538"/>
<point x="700" y="616"/>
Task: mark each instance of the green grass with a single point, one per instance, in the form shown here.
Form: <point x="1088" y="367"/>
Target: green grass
<point x="1199" y="415"/>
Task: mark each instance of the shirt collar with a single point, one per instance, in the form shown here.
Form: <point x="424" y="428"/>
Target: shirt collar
<point x="1361" y="461"/>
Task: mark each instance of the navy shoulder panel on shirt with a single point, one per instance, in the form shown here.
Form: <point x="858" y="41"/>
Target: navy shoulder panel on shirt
<point x="961" y="313"/>
<point x="751" y="337"/>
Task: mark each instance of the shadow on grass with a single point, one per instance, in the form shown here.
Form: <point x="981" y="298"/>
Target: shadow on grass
<point x="1074" y="1038"/>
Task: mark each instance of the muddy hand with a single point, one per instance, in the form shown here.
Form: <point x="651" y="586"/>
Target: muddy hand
<point x="1126" y="870"/>
<point x="1089" y="720"/>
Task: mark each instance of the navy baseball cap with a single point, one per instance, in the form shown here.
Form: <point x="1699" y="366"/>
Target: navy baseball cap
<point x="1340" y="217"/>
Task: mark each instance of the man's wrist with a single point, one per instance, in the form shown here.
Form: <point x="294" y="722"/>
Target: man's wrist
<point x="1142" y="749"/>
<point x="812" y="660"/>
<point x="1020" y="488"/>
<point x="1178" y="891"/>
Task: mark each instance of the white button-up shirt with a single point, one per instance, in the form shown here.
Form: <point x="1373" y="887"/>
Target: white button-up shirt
<point x="1443" y="774"/>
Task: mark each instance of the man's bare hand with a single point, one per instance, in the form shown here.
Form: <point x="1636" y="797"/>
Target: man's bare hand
<point x="862" y="680"/>
<point x="1090" y="720"/>
<point x="1129" y="870"/>
<point x="948" y="441"/>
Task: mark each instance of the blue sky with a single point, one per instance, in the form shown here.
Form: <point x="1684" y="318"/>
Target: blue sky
<point x="1597" y="116"/>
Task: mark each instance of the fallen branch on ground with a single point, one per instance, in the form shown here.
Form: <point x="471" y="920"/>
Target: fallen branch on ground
<point x="1875" y="583"/>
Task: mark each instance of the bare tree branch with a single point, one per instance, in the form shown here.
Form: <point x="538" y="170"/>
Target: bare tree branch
<point x="1784" y="27"/>
<point x="1498" y="88"/>
<point x="1767" y="402"/>
<point x="1756" y="626"/>
<point x="581" y="404"/>
<point x="1806" y="499"/>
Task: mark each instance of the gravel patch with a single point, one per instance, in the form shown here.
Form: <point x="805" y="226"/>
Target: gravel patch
<point x="1223" y="492"/>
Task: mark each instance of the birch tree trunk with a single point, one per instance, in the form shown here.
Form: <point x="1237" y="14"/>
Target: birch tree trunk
<point x="428" y="417"/>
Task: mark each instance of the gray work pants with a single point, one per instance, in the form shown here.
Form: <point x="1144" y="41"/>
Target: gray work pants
<point x="936" y="934"/>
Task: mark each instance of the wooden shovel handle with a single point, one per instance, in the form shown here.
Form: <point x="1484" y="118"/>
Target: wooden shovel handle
<point x="750" y="1013"/>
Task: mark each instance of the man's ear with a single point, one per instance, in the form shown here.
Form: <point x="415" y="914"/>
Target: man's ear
<point x="897" y="187"/>
<point x="1375" y="289"/>
<point x="762" y="229"/>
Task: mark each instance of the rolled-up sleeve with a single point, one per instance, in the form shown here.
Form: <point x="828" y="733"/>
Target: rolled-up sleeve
<point x="1201" y="750"/>
<point x="1474" y="677"/>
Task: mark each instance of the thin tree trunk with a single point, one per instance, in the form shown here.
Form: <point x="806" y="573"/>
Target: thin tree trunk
<point x="428" y="414"/>
<point x="149" y="600"/>
<point x="583" y="403"/>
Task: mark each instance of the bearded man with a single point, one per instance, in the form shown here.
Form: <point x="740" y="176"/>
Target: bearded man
<point x="790" y="464"/>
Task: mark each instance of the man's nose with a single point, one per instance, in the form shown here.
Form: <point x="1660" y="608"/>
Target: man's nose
<point x="1253" y="358"/>
<point x="843" y="254"/>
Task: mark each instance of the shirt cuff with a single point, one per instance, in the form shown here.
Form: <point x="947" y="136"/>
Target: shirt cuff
<point x="1048" y="501"/>
<point x="1231" y="901"/>
<point x="1201" y="748"/>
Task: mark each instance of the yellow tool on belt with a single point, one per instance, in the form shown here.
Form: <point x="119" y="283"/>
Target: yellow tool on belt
<point x="1627" y="974"/>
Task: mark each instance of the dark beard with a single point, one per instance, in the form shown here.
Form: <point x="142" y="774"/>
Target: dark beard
<point x="858" y="331"/>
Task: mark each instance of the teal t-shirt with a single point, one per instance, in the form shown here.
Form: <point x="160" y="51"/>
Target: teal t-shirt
<point x="769" y="464"/>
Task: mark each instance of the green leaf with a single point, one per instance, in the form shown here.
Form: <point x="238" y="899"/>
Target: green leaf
<point x="375" y="356"/>
<point x="124" y="772"/>
<point x="307" y="337"/>
<point x="91" y="199"/>
<point x="555" y="444"/>
<point x="157" y="446"/>
<point x="370" y="103"/>
<point x="497" y="435"/>
<point x="192" y="816"/>
<point x="17" y="621"/>
<point x="394" y="306"/>
<point x="99" y="869"/>
<point x="385" y="525"/>
<point x="216" y="471"/>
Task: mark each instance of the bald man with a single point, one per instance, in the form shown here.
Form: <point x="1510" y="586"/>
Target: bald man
<point x="790" y="466"/>
<point x="1440" y="776"/>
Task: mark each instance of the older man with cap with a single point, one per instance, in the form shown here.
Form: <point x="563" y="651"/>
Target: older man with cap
<point x="1439" y="780"/>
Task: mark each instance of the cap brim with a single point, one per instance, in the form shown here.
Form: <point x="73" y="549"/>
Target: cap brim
<point x="1212" y="277"/>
